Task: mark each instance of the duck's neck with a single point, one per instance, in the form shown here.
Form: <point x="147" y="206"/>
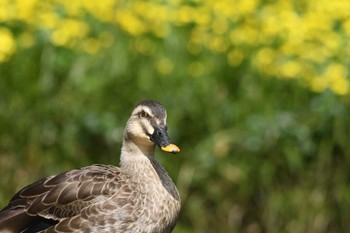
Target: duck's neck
<point x="133" y="153"/>
<point x="139" y="161"/>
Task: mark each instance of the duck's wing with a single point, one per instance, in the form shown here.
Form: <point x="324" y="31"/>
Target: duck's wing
<point x="57" y="199"/>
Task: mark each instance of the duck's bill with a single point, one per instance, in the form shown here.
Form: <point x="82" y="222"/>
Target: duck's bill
<point x="161" y="138"/>
<point x="171" y="148"/>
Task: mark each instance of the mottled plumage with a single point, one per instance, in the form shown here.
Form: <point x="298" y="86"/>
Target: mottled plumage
<point x="139" y="196"/>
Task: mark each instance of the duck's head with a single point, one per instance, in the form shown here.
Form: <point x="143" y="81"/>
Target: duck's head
<point x="147" y="127"/>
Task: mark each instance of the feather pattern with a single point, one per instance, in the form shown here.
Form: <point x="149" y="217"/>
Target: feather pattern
<point x="139" y="196"/>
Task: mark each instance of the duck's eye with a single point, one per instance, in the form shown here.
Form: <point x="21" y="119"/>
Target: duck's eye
<point x="143" y="114"/>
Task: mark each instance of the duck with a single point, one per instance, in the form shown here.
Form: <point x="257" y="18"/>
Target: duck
<point x="138" y="196"/>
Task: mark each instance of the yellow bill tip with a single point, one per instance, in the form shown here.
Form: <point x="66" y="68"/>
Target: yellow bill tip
<point x="172" y="148"/>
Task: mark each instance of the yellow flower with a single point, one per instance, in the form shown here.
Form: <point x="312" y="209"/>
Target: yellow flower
<point x="48" y="20"/>
<point x="332" y="41"/>
<point x="346" y="27"/>
<point x="318" y="84"/>
<point x="7" y="45"/>
<point x="25" y="9"/>
<point x="264" y="58"/>
<point x="290" y="69"/>
<point x="340" y="85"/>
<point x="130" y="22"/>
<point x="246" y="34"/>
<point x="184" y="15"/>
<point x="102" y="10"/>
<point x="336" y="74"/>
<point x="285" y="38"/>
<point x="334" y="78"/>
<point x="68" y="31"/>
<point x="220" y="26"/>
<point x="72" y="8"/>
<point x="245" y="6"/>
<point x="5" y="13"/>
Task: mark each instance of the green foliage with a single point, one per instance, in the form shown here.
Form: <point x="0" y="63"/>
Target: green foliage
<point x="257" y="154"/>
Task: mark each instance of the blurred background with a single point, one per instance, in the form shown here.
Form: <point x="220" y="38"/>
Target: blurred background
<point x="257" y="93"/>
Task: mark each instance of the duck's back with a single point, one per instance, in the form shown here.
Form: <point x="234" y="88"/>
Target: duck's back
<point x="98" y="198"/>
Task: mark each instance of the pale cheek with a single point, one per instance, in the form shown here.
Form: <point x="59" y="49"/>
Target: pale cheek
<point x="142" y="129"/>
<point x="148" y="127"/>
<point x="135" y="130"/>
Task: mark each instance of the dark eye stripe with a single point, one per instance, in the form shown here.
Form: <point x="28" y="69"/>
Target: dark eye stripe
<point x="144" y="128"/>
<point x="153" y="123"/>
